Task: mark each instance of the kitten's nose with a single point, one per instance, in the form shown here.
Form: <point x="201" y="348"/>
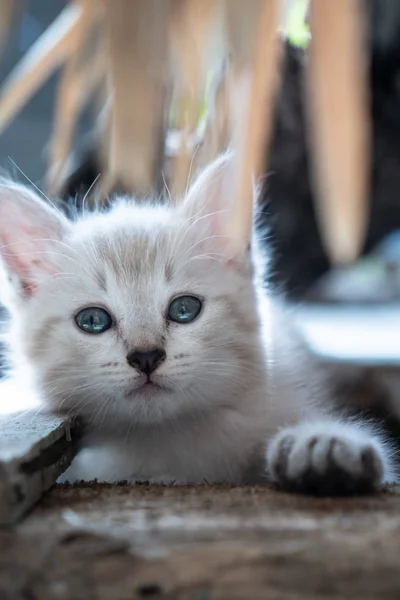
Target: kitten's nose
<point x="146" y="362"/>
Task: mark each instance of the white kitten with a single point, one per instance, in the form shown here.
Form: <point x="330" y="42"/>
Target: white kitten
<point x="145" y="320"/>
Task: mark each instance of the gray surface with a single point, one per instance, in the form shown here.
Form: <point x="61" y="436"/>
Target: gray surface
<point x="34" y="452"/>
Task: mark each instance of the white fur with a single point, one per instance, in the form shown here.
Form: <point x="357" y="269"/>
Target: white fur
<point x="320" y="445"/>
<point x="236" y="376"/>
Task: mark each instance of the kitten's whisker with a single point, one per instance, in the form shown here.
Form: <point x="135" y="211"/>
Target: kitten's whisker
<point x="36" y="187"/>
<point x="204" y="239"/>
<point x="88" y="192"/>
<point x="76" y="389"/>
<point x="36" y="252"/>
<point x="83" y="401"/>
<point x="79" y="255"/>
<point x="60" y="242"/>
<point x="106" y="404"/>
<point x="61" y="380"/>
<point x="73" y="389"/>
<point x="190" y="171"/>
<point x="192" y="223"/>
<point x="166" y="187"/>
<point x="217" y="257"/>
<point x="56" y="276"/>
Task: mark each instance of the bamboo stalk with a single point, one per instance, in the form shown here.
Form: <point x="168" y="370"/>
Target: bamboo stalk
<point x="339" y="124"/>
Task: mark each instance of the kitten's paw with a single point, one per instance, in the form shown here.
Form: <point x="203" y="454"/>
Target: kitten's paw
<point x="326" y="459"/>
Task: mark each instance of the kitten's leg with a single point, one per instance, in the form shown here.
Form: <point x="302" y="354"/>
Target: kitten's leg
<point x="328" y="458"/>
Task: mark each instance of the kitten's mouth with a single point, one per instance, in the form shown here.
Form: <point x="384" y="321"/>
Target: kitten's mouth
<point x="152" y="384"/>
<point x="149" y="387"/>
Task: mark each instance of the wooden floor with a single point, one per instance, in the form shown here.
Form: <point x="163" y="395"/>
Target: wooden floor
<point x="100" y="542"/>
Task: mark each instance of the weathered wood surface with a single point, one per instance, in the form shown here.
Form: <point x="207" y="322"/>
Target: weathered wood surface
<point x="34" y="451"/>
<point x="128" y="542"/>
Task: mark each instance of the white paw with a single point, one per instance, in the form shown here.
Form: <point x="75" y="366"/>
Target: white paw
<point x="325" y="459"/>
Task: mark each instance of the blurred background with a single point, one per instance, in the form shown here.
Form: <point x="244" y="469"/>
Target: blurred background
<point x="25" y="140"/>
<point x="300" y="268"/>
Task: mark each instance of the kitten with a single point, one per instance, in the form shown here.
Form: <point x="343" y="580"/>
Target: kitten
<point x="148" y="321"/>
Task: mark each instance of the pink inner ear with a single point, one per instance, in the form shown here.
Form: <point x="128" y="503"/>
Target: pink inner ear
<point x="27" y="227"/>
<point x="211" y="200"/>
<point x="26" y="261"/>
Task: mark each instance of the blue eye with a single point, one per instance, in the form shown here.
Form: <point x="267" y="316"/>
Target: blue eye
<point x="93" y="320"/>
<point x="184" y="309"/>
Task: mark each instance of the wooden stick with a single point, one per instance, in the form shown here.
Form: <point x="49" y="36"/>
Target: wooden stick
<point x="189" y="25"/>
<point x="79" y="79"/>
<point x="242" y="22"/>
<point x="252" y="147"/>
<point x="339" y="124"/>
<point x="239" y="23"/>
<point x="218" y="126"/>
<point x="8" y="11"/>
<point x="138" y="51"/>
<point x="45" y="56"/>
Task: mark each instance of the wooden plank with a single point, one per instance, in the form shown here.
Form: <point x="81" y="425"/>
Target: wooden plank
<point x="137" y="34"/>
<point x="252" y="142"/>
<point x="34" y="452"/>
<point x="338" y="105"/>
<point x="190" y="23"/>
<point x="202" y="543"/>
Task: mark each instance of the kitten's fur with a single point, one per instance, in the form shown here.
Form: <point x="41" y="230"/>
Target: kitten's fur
<point x="241" y="402"/>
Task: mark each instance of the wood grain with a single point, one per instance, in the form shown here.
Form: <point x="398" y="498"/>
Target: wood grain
<point x="34" y="451"/>
<point x="203" y="543"/>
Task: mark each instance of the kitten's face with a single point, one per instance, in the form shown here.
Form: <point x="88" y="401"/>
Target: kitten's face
<point x="139" y="318"/>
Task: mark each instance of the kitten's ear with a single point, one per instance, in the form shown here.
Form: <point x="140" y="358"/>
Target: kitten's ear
<point x="29" y="231"/>
<point x="210" y="202"/>
<point x="211" y="194"/>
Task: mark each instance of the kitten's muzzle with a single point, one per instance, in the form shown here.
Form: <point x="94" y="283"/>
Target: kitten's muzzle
<point x="146" y="362"/>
